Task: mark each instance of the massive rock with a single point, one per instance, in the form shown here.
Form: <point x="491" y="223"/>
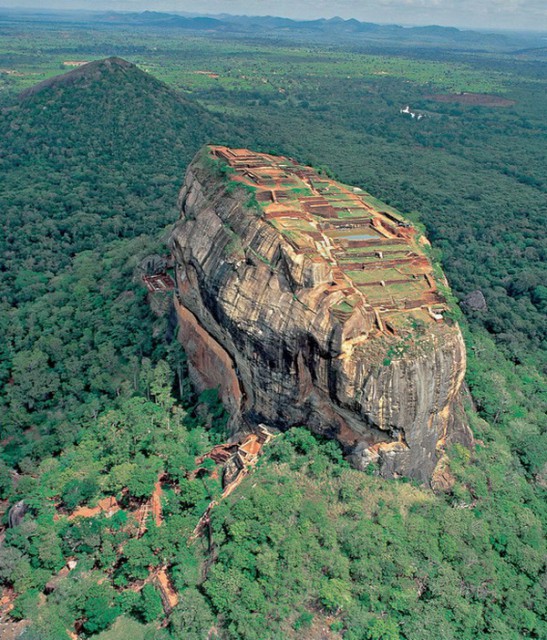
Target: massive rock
<point x="307" y="302"/>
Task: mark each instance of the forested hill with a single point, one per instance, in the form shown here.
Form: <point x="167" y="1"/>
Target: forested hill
<point x="88" y="74"/>
<point x="92" y="162"/>
<point x="92" y="155"/>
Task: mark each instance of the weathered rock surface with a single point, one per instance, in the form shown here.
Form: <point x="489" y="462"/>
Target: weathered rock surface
<point x="475" y="301"/>
<point x="299" y="321"/>
<point x="16" y="514"/>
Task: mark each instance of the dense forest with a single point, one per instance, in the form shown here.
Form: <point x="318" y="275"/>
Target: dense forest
<point x="88" y="190"/>
<point x="96" y="401"/>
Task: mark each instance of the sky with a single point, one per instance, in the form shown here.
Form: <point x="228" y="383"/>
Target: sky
<point x="479" y="14"/>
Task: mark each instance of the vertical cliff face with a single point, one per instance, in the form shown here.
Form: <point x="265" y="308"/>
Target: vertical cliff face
<point x="307" y="302"/>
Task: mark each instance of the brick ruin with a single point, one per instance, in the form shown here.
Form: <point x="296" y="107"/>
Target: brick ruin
<point x="377" y="257"/>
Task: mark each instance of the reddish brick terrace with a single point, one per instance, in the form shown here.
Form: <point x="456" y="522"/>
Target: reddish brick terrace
<point x="159" y="282"/>
<point x="376" y="256"/>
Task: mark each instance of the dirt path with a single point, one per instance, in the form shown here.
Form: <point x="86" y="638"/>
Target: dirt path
<point x="156" y="503"/>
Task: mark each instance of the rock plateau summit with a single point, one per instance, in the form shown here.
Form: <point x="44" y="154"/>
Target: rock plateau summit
<point x="308" y="302"/>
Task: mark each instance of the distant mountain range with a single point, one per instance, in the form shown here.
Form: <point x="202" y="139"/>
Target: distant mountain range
<point x="250" y="24"/>
<point x="333" y="30"/>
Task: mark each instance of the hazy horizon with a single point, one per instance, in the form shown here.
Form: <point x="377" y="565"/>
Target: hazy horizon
<point x="489" y="14"/>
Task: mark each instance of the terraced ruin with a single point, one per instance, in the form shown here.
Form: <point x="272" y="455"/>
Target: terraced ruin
<point x="376" y="256"/>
